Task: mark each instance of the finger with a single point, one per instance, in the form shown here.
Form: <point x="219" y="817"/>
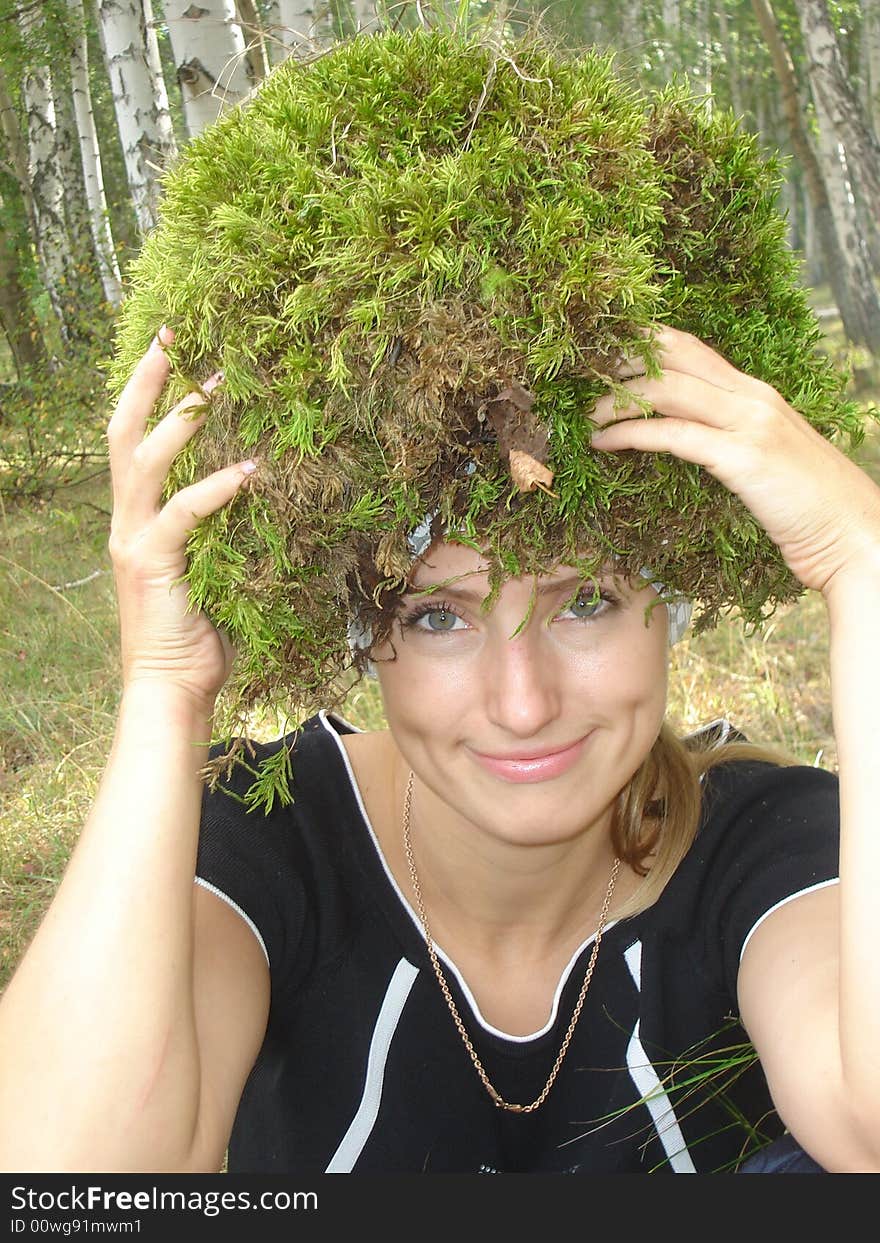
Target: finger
<point x="677" y="395"/>
<point x="625" y="368"/>
<point x="136" y="402"/>
<point x="140" y="494"/>
<point x="690" y="441"/>
<point x="188" y="507"/>
<point x="682" y="351"/>
<point x="228" y="650"/>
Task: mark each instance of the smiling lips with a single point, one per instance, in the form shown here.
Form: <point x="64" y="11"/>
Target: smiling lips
<point x="540" y="766"/>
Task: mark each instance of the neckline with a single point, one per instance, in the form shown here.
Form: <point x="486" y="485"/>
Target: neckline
<point x="327" y="720"/>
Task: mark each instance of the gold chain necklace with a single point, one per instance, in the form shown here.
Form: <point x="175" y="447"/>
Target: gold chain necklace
<point x="500" y="1102"/>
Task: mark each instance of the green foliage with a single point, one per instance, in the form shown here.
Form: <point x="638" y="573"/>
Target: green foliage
<point x="384" y="240"/>
<point x="52" y="427"/>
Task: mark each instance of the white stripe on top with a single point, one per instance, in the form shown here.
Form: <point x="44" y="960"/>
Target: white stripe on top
<point x="247" y="919"/>
<point x="822" y="884"/>
<point x="352" y="1145"/>
<point x="648" y="1085"/>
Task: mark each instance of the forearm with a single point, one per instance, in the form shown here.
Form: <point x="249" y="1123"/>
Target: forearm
<point x="99" y="1065"/>
<point x="854" y="608"/>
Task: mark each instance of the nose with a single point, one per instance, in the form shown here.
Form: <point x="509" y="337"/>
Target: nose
<point x="521" y="683"/>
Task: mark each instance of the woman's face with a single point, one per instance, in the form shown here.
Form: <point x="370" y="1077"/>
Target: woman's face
<point x="526" y="729"/>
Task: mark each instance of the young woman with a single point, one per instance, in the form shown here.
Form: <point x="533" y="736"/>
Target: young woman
<point x="496" y="935"/>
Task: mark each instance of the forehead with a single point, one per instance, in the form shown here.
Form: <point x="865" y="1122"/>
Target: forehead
<point x="447" y="562"/>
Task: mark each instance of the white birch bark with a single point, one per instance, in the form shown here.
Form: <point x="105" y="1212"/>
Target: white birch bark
<point x="845" y="257"/>
<point x="140" y="99"/>
<point x="364" y="14"/>
<point x="632" y="32"/>
<point x="90" y="156"/>
<point x="837" y="102"/>
<point x="863" y="312"/>
<point x="299" y="27"/>
<point x="670" y="46"/>
<point x="730" y="52"/>
<point x="47" y="186"/>
<point x="76" y="213"/>
<point x="275" y="46"/>
<point x="16" y="150"/>
<point x="702" y="69"/>
<point x="871" y="44"/>
<point x="210" y="58"/>
<point x="672" y="18"/>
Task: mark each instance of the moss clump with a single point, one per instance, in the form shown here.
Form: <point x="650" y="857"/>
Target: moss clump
<point x="415" y="253"/>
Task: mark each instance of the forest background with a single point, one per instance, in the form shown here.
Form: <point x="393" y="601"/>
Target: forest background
<point x="97" y="97"/>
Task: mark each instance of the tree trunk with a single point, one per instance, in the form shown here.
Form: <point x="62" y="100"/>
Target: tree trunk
<point x="274" y="34"/>
<point x="837" y="102"/>
<point x="83" y="259"/>
<point x="209" y="54"/>
<point x="845" y="253"/>
<point x="47" y="185"/>
<point x="672" y="18"/>
<point x="871" y="42"/>
<point x="16" y="149"/>
<point x="364" y="14"/>
<point x="256" y="54"/>
<point x="17" y="318"/>
<point x="90" y="158"/>
<point x="860" y="311"/>
<point x="730" y="52"/>
<point x="298" y="28"/>
<point x="140" y="99"/>
<point x="702" y="69"/>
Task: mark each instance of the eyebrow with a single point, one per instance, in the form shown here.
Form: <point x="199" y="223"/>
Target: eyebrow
<point x="555" y="587"/>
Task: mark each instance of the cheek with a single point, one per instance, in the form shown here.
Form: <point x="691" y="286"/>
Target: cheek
<point x="420" y="696"/>
<point x="630" y="671"/>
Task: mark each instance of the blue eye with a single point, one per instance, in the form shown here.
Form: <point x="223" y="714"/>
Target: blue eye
<point x="586" y="604"/>
<point x="433" y="618"/>
<point x="439" y="619"/>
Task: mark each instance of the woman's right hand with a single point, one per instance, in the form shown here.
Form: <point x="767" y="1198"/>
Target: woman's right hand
<point x="161" y="637"/>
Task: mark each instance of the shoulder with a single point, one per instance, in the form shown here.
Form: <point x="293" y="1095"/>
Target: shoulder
<point x="263" y="775"/>
<point x="737" y="778"/>
<point x="768" y="833"/>
<point x="742" y="792"/>
<point x="273" y="828"/>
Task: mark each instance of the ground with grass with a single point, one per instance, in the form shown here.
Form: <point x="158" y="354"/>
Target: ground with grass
<point x="59" y="688"/>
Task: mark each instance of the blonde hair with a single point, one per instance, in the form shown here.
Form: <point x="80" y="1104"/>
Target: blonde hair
<point x="658" y="812"/>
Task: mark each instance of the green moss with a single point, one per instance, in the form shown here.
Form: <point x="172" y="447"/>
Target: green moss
<point x="384" y="239"/>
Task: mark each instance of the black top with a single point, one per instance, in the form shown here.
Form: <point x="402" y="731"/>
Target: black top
<point x="362" y="1068"/>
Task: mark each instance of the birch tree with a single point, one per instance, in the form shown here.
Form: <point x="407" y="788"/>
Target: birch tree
<point x="81" y="249"/>
<point x="276" y="49"/>
<point x="20" y="326"/>
<point x="871" y="60"/>
<point x="834" y="213"/>
<point x="47" y="185"/>
<point x="364" y="15"/>
<point x="16" y="150"/>
<point x="256" y="51"/>
<point x="730" y="57"/>
<point x="210" y="58"/>
<point x="90" y="158"/>
<point x="140" y="100"/>
<point x="298" y="27"/>
<point x="838" y="107"/>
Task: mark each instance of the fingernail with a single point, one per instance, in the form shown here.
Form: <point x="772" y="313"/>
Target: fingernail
<point x="248" y="468"/>
<point x="212" y="382"/>
<point x="165" y="336"/>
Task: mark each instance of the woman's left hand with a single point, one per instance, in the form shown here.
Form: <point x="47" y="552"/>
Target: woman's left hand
<point x="819" y="508"/>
